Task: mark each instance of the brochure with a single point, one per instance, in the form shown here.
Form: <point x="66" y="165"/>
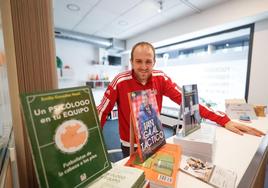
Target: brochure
<point x="207" y="172"/>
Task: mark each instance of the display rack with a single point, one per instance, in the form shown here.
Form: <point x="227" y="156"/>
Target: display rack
<point x="98" y="83"/>
<point x="114" y="113"/>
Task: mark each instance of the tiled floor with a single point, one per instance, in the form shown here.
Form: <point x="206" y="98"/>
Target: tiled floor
<point x="111" y="137"/>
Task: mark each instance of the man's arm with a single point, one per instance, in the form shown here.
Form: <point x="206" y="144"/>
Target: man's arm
<point x="240" y="128"/>
<point x="173" y="92"/>
<point x="225" y="121"/>
<point x="107" y="104"/>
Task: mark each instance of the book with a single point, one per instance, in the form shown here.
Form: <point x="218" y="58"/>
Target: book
<point x="148" y="130"/>
<point x="239" y="109"/>
<point x="65" y="137"/>
<point x="162" y="167"/>
<point x="120" y="177"/>
<point x="189" y="115"/>
<point x="208" y="172"/>
<point x="201" y="143"/>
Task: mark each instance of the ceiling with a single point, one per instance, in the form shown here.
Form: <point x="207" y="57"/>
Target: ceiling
<point x="123" y="19"/>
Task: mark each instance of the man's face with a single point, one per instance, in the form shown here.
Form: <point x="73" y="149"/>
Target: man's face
<point x="143" y="63"/>
<point x="145" y="100"/>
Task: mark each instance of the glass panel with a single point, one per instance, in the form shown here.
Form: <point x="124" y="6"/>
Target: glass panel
<point x="217" y="63"/>
<point x="5" y="110"/>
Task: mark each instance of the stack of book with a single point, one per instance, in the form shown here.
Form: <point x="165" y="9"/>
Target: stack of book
<point x="121" y="177"/>
<point x="200" y="143"/>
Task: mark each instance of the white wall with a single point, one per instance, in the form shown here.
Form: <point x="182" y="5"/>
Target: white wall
<point x="258" y="90"/>
<point x="79" y="57"/>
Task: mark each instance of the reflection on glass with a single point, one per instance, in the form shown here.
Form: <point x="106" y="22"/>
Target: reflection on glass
<point x="5" y="110"/>
<point x="217" y="64"/>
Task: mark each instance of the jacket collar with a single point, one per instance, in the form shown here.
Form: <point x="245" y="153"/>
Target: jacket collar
<point x="135" y="78"/>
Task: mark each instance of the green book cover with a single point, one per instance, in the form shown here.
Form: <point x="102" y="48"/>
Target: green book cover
<point x="65" y="137"/>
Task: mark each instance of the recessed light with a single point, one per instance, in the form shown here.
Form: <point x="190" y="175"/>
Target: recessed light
<point x="73" y="7"/>
<point x="123" y="23"/>
<point x="160" y="6"/>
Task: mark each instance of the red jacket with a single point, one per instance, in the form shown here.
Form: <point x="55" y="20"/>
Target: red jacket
<point x="123" y="83"/>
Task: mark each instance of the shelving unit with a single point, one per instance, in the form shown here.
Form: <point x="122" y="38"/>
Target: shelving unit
<point x="98" y="83"/>
<point x="114" y="114"/>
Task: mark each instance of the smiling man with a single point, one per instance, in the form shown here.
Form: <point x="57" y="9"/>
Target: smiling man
<point x="143" y="77"/>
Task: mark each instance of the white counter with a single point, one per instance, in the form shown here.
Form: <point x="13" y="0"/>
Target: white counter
<point x="232" y="152"/>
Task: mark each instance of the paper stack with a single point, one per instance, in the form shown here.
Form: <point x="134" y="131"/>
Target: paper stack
<point x="199" y="144"/>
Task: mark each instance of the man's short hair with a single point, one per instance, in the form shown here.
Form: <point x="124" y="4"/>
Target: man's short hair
<point x="147" y="44"/>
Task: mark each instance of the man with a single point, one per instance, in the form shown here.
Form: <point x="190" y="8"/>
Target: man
<point x="192" y="111"/>
<point x="142" y="77"/>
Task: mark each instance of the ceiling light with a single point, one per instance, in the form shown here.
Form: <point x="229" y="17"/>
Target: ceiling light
<point x="160" y="6"/>
<point x="73" y="7"/>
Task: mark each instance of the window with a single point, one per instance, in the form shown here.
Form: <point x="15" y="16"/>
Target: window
<point x="218" y="63"/>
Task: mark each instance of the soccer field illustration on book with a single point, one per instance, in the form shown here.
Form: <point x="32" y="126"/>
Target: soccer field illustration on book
<point x="147" y="126"/>
<point x="65" y="137"/>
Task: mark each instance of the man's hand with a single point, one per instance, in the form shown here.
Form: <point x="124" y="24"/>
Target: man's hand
<point x="240" y="128"/>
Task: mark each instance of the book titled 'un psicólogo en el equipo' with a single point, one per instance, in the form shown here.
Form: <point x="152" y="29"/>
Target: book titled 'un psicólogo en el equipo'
<point x="162" y="167"/>
<point x="65" y="137"/>
<point x="146" y="124"/>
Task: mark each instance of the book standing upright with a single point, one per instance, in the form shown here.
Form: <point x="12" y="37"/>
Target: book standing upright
<point x="65" y="137"/>
<point x="189" y="116"/>
<point x="145" y="122"/>
<point x="157" y="158"/>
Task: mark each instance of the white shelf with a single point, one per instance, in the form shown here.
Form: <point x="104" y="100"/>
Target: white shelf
<point x="114" y="114"/>
<point x="98" y="83"/>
